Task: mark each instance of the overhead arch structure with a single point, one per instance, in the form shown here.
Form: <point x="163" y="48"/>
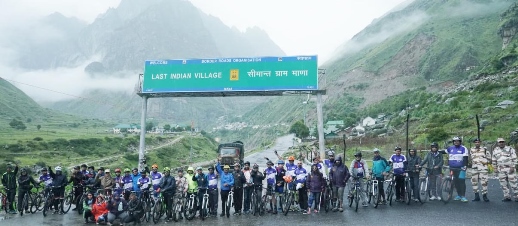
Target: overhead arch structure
<point x="230" y="77"/>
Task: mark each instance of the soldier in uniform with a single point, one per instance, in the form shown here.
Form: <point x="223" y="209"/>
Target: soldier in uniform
<point x="480" y="158"/>
<point x="504" y="159"/>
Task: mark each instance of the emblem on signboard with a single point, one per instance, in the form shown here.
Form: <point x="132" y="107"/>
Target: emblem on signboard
<point x="279" y="59"/>
<point x="184" y="61"/>
<point x="234" y="74"/>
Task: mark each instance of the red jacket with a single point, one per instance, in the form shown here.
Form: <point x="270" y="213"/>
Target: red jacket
<point x="99" y="209"/>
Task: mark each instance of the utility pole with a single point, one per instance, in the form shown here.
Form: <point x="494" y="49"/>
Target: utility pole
<point x="320" y="118"/>
<point x="142" y="147"/>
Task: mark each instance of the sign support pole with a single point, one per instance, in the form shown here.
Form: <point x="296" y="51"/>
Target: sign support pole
<point x="142" y="147"/>
<point x="320" y="127"/>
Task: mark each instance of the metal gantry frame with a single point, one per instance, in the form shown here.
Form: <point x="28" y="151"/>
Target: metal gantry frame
<point x="146" y="96"/>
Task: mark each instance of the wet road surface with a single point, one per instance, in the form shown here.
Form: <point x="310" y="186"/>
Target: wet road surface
<point x="494" y="212"/>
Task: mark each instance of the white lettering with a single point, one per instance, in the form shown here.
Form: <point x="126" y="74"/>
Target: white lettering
<point x="207" y="75"/>
<point x="281" y="73"/>
<point x="180" y="76"/>
<point x="158" y="76"/>
<point x="300" y="72"/>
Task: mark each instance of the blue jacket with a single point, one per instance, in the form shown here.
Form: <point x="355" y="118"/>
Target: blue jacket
<point x="135" y="181"/>
<point x="226" y="178"/>
<point x="379" y="165"/>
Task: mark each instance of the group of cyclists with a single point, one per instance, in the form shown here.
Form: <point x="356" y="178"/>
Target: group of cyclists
<point x="103" y="197"/>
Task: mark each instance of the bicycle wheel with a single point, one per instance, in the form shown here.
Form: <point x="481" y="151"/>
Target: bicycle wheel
<point x="369" y="191"/>
<point x="289" y="200"/>
<point x="67" y="203"/>
<point x="408" y="192"/>
<point x="423" y="190"/>
<point x="80" y="205"/>
<point x="205" y="208"/>
<point x="357" y="200"/>
<point x="262" y="206"/>
<point x="328" y="197"/>
<point x="39" y="202"/>
<point x="351" y="198"/>
<point x="446" y="190"/>
<point x="157" y="209"/>
<point x="253" y="204"/>
<point x="176" y="211"/>
<point x="46" y="205"/>
<point x="376" y="197"/>
<point x="191" y="210"/>
<point x="144" y="207"/>
<point x="228" y="205"/>
<point x="390" y="193"/>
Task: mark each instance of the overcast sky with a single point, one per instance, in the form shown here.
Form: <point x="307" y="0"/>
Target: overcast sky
<point x="299" y="27"/>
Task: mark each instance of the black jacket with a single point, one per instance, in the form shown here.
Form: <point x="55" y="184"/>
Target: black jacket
<point x="167" y="185"/>
<point x="59" y="181"/>
<point x="412" y="161"/>
<point x="25" y="182"/>
<point x="239" y="179"/>
<point x="257" y="178"/>
<point x="135" y="208"/>
<point x="9" y="179"/>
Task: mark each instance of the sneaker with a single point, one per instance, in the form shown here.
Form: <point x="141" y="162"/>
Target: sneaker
<point x="507" y="199"/>
<point x="416" y="200"/>
<point x="432" y="198"/>
<point x="457" y="198"/>
<point x="13" y="212"/>
<point x="305" y="212"/>
<point x="335" y="209"/>
<point x="438" y="198"/>
<point x="55" y="212"/>
<point x="364" y="204"/>
<point x="315" y="211"/>
<point x="275" y="212"/>
<point x="464" y="199"/>
<point x="341" y="209"/>
<point x="222" y="215"/>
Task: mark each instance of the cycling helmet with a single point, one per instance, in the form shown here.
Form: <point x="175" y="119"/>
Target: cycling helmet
<point x="117" y="170"/>
<point x="434" y="144"/>
<point x="291" y="158"/>
<point x="358" y="154"/>
<point x="456" y="138"/>
<point x="199" y="168"/>
<point x="166" y="169"/>
<point x="154" y="166"/>
<point x="247" y="163"/>
<point x="330" y="153"/>
<point x="190" y="169"/>
<point x="58" y="168"/>
<point x="376" y="150"/>
<point x="397" y="148"/>
<point x="269" y="162"/>
<point x="280" y="161"/>
<point x="226" y="167"/>
<point x="127" y="170"/>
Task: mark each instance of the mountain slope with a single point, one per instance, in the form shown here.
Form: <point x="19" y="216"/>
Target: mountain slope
<point x="16" y="104"/>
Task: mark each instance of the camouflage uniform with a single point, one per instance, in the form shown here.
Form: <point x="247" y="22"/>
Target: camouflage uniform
<point x="480" y="158"/>
<point x="503" y="161"/>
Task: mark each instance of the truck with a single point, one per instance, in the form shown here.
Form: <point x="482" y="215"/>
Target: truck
<point x="232" y="153"/>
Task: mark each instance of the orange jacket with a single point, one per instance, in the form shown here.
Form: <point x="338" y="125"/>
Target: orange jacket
<point x="98" y="209"/>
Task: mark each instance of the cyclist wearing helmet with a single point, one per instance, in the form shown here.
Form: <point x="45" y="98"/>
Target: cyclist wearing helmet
<point x="181" y="188"/>
<point x="331" y="161"/>
<point x="434" y="165"/>
<point x="155" y="179"/>
<point x="202" y="182"/>
<point x="399" y="164"/>
<point x="59" y="181"/>
<point x="458" y="162"/>
<point x="338" y="176"/>
<point x="127" y="183"/>
<point x="212" y="177"/>
<point x="144" y="183"/>
<point x="76" y="179"/>
<point x="118" y="180"/>
<point x="247" y="187"/>
<point x="24" y="185"/>
<point x="300" y="181"/>
<point x="480" y="158"/>
<point x="380" y="168"/>
<point x="359" y="169"/>
<point x="270" y="174"/>
<point x="257" y="180"/>
<point x="226" y="184"/>
<point x="167" y="186"/>
<point x="239" y="181"/>
<point x="9" y="182"/>
<point x="279" y="184"/>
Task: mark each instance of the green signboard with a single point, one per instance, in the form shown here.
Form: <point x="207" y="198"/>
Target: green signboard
<point x="231" y="74"/>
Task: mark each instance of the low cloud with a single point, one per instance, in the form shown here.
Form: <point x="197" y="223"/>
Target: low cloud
<point x="467" y="8"/>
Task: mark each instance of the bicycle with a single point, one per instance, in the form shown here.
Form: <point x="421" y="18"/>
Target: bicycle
<point x="256" y="202"/>
<point x="327" y="196"/>
<point x="191" y="207"/>
<point x="390" y="188"/>
<point x="205" y="205"/>
<point x="68" y="200"/>
<point x="448" y="186"/>
<point x="5" y="202"/>
<point x="373" y="191"/>
<point x="82" y="198"/>
<point x="355" y="193"/>
<point x="37" y="199"/>
<point x="49" y="200"/>
<point x="28" y="201"/>
<point x="147" y="204"/>
<point x="178" y="208"/>
<point x="267" y="198"/>
<point x="230" y="201"/>
<point x="408" y="188"/>
<point x="289" y="199"/>
<point x="159" y="208"/>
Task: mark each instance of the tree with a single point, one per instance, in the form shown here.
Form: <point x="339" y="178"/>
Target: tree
<point x="17" y="124"/>
<point x="167" y="127"/>
<point x="299" y="129"/>
<point x="437" y="135"/>
<point x="38" y="127"/>
<point x="149" y="126"/>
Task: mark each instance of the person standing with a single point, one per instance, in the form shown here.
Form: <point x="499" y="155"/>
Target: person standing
<point x="9" y="182"/>
<point x="167" y="186"/>
<point x="226" y="184"/>
<point x="480" y="158"/>
<point x="25" y="180"/>
<point x="77" y="181"/>
<point x="247" y="187"/>
<point x="359" y="170"/>
<point x="380" y="168"/>
<point x="239" y="180"/>
<point x="315" y="183"/>
<point x="434" y="165"/>
<point x="458" y="162"/>
<point x="300" y="181"/>
<point x="504" y="161"/>
<point x="338" y="176"/>
<point x="413" y="172"/>
<point x="202" y="182"/>
<point x="212" y="177"/>
<point x="399" y="163"/>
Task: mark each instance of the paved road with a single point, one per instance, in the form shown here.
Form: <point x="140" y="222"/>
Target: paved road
<point x="432" y="213"/>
